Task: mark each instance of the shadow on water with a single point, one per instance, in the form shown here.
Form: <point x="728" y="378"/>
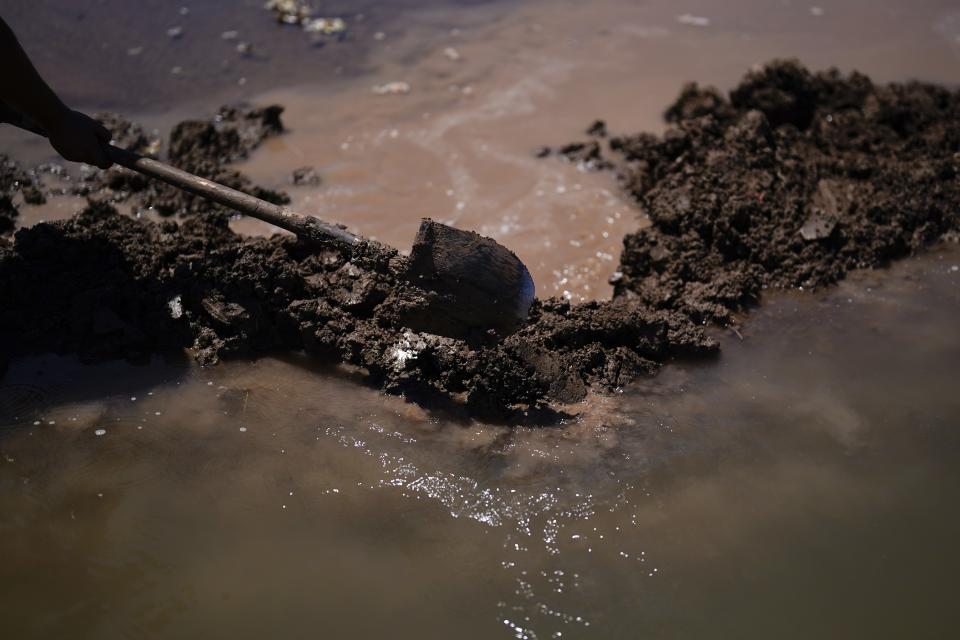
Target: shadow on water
<point x="37" y="384"/>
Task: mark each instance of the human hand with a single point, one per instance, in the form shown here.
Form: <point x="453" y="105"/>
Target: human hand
<point x="79" y="138"/>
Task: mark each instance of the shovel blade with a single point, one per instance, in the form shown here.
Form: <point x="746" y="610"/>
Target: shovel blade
<point x="481" y="285"/>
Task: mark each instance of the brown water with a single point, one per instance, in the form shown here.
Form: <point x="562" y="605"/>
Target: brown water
<point x="459" y="146"/>
<point x="803" y="485"/>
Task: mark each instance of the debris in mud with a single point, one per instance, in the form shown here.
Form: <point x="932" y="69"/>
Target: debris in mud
<point x="290" y="11"/>
<point x="305" y="177"/>
<point x="297" y="13"/>
<point x="325" y="26"/>
<point x="598" y="129"/>
<point x="587" y="156"/>
<point x="392" y="88"/>
<point x="792" y="181"/>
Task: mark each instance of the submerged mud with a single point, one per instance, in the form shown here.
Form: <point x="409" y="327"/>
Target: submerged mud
<point x="792" y="180"/>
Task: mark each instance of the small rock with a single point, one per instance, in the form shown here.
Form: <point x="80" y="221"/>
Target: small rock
<point x="289" y="11"/>
<point x="451" y="54"/>
<point x="176" y="308"/>
<point x="406" y="350"/>
<point x="326" y="26"/>
<point x="229" y="35"/>
<point x="245" y="49"/>
<point x="817" y="227"/>
<point x="175" y="32"/>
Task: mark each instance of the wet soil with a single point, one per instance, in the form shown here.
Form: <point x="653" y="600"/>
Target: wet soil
<point x="105" y="285"/>
<point x="792" y="180"/>
<point x="13" y="180"/>
<point x="202" y="147"/>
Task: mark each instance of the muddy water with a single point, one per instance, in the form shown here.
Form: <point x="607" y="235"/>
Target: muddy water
<point x="802" y="485"/>
<point x="459" y="147"/>
<point x="490" y="83"/>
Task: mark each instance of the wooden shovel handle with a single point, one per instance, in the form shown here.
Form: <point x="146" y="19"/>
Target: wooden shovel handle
<point x="305" y="227"/>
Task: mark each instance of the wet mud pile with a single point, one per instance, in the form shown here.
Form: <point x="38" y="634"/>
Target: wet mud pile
<point x="202" y="147"/>
<point x="792" y="180"/>
<point x="103" y="285"/>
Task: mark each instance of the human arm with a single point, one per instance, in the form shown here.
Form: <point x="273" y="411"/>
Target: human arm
<point x="73" y="135"/>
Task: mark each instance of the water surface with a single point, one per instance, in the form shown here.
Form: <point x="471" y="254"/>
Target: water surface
<point x="802" y="485"/>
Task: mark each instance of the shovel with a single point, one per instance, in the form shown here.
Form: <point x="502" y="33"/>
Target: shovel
<point x="480" y="285"/>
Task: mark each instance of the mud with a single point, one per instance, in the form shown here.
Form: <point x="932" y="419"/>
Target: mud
<point x="202" y="147"/>
<point x="792" y="180"/>
<point x="13" y="180"/>
<point x="103" y="285"/>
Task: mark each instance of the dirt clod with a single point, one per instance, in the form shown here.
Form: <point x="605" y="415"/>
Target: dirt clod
<point x="793" y="181"/>
<point x="202" y="147"/>
<point x="305" y="177"/>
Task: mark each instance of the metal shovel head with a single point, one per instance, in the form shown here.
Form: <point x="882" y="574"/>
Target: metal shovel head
<point x="482" y="285"/>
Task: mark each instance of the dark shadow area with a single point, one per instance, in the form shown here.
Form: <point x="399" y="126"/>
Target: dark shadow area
<point x="35" y="384"/>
